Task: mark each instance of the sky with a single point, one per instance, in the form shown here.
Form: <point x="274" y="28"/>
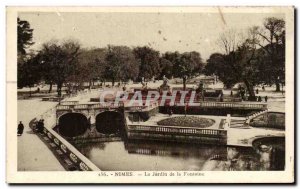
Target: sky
<point x="181" y="32"/>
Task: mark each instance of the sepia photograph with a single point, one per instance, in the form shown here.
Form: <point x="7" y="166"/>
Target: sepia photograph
<point x="150" y="94"/>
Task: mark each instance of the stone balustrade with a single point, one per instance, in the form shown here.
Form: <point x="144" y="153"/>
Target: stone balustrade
<point x="75" y="156"/>
<point x="176" y="133"/>
<point x="69" y="102"/>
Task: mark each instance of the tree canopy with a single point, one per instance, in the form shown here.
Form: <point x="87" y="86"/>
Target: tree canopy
<point x="254" y="57"/>
<point x="121" y="64"/>
<point x="149" y="62"/>
<point x="59" y="61"/>
<point x="24" y="36"/>
<point x="185" y="65"/>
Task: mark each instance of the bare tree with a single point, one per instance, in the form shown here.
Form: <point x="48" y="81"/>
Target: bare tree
<point x="229" y="41"/>
<point x="240" y="51"/>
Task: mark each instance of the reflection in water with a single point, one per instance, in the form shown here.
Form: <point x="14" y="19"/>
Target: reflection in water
<point x="155" y="156"/>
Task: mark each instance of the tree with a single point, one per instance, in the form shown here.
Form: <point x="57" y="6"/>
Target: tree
<point x="91" y="65"/>
<point x="24" y="36"/>
<point x="272" y="41"/>
<point x="240" y="55"/>
<point x="28" y="72"/>
<point x="149" y="59"/>
<point x="166" y="68"/>
<point x="121" y="64"/>
<point x="185" y="65"/>
<point x="217" y="65"/>
<point x="59" y="62"/>
<point x="246" y="66"/>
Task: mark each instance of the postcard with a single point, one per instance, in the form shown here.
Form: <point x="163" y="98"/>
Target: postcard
<point x="150" y="95"/>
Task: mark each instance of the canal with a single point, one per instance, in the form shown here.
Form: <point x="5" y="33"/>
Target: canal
<point x="161" y="156"/>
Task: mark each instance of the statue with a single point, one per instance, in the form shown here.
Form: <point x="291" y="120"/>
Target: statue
<point x="200" y="90"/>
<point x="165" y="80"/>
<point x="201" y="86"/>
<point x="164" y="86"/>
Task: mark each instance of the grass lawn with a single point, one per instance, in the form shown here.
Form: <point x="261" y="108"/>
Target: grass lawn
<point x="189" y="121"/>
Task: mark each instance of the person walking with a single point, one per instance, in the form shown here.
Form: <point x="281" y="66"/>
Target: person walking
<point x="20" y="128"/>
<point x="259" y="99"/>
<point x="266" y="98"/>
<point x="38" y="125"/>
<point x="42" y="126"/>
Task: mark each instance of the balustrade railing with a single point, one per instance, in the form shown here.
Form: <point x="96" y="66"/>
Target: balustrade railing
<point x="176" y="129"/>
<point x="87" y="106"/>
<point x="64" y="107"/>
<point x="248" y="120"/>
<point x="69" y="102"/>
<point x="75" y="156"/>
<point x="234" y="105"/>
<point x="73" y="104"/>
<point x="82" y="106"/>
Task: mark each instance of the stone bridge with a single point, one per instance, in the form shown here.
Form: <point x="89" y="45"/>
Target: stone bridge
<point x="73" y="119"/>
<point x="87" y="110"/>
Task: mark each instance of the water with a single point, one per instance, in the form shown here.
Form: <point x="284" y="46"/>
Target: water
<point x="155" y="156"/>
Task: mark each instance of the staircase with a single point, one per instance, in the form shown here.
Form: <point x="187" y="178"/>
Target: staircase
<point x="238" y="123"/>
<point x="244" y="123"/>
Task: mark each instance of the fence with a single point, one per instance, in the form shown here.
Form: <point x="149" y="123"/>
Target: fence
<point x="175" y="133"/>
<point x="73" y="105"/>
<point x="234" y="105"/>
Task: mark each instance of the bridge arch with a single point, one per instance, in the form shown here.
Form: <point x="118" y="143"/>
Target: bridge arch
<point x="72" y="124"/>
<point x="109" y="122"/>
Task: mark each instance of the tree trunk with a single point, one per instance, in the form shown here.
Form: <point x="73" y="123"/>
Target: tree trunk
<point x="90" y="84"/>
<point x="250" y="90"/>
<point x="50" y="88"/>
<point x="277" y="86"/>
<point x="113" y="82"/>
<point x="184" y="83"/>
<point x="59" y="86"/>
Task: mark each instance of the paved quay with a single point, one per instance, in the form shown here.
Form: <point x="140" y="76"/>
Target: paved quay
<point x="33" y="154"/>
